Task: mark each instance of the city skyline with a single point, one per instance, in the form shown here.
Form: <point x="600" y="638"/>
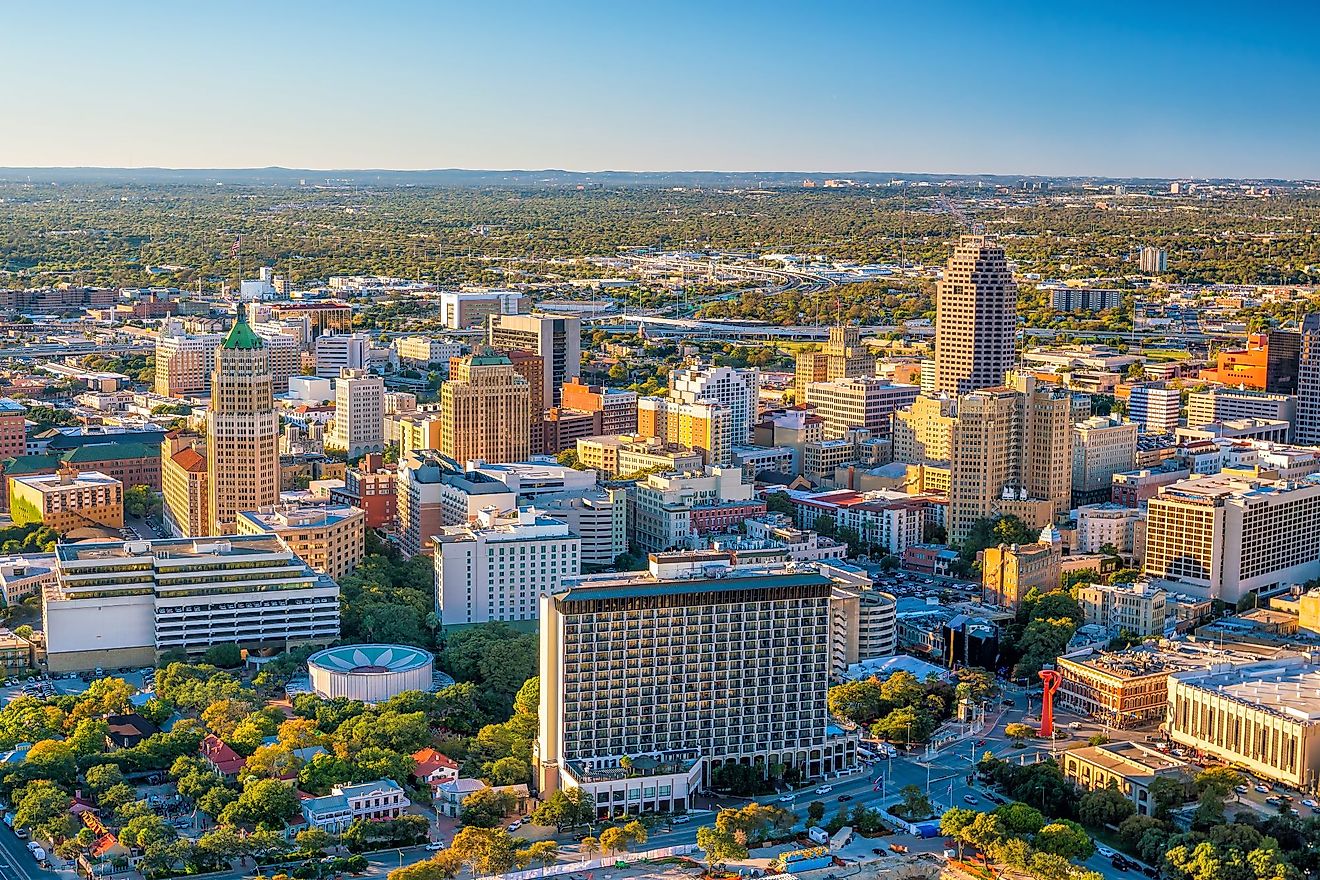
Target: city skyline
<point x="1111" y="90"/>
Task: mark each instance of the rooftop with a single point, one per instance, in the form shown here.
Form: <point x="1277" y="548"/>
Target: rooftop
<point x="242" y="337"/>
<point x="55" y="482"/>
<point x="644" y="584"/>
<point x="1163" y="658"/>
<point x="1132" y="760"/>
<point x="174" y="548"/>
<point x="1288" y="686"/>
<point x="301" y="516"/>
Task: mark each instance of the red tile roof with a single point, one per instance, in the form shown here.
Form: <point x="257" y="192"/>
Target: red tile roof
<point x="220" y="756"/>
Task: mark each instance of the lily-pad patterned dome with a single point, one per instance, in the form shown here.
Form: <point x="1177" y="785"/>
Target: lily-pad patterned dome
<point x="370" y="673"/>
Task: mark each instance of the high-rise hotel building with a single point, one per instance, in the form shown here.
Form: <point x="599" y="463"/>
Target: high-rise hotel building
<point x="975" y="318"/>
<point x="123" y="603"/>
<point x="242" y="430"/>
<point x="681" y="674"/>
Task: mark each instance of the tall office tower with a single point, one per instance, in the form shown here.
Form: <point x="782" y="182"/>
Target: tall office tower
<point x="986" y="456"/>
<point x="359" y="425"/>
<point x="485" y="410"/>
<point x="1102" y="446"/>
<point x="737" y="390"/>
<point x="1307" y="429"/>
<point x="843" y="356"/>
<point x="555" y="338"/>
<point x="184" y="361"/>
<point x="697" y="668"/>
<point x="1155" y="407"/>
<point x="242" y="430"/>
<point x="863" y="402"/>
<point x="1283" y="350"/>
<point x="531" y="367"/>
<point x="1046" y="444"/>
<point x="1153" y="260"/>
<point x="923" y="433"/>
<point x="975" y="318"/>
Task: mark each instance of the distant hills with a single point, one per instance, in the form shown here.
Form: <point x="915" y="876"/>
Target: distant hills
<point x="552" y="178"/>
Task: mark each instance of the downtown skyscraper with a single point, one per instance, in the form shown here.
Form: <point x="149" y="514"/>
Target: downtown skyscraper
<point x="242" y="430"/>
<point x="975" y="318"/>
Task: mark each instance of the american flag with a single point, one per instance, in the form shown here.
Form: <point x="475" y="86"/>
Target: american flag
<point x="238" y="243"/>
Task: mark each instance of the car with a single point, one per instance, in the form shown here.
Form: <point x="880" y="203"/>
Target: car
<point x="786" y="799"/>
<point x="1241" y="789"/>
<point x="825" y="789"/>
<point x="1105" y="851"/>
<point x="1149" y="871"/>
<point x="680" y="820"/>
<point x="880" y="852"/>
<point x="969" y="798"/>
<point x="516" y="825"/>
<point x="1309" y="802"/>
<point x="845" y="797"/>
<point x="979" y="743"/>
<point x="1119" y="863"/>
<point x="435" y="846"/>
<point x="21" y="832"/>
<point x="1262" y="788"/>
<point x="1273" y="801"/>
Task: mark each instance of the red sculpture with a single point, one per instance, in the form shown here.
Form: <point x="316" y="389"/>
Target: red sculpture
<point x="1050" y="680"/>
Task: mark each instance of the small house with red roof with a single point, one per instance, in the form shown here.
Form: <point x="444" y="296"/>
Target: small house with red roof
<point x="433" y="768"/>
<point x="221" y="758"/>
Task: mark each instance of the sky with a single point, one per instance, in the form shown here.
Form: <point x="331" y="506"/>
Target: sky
<point x="1161" y="88"/>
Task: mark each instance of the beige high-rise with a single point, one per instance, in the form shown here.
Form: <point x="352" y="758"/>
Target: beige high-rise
<point x="985" y="456"/>
<point x="485" y="410"/>
<point x="923" y="433"/>
<point x="842" y="357"/>
<point x="1046" y="442"/>
<point x="975" y="318"/>
<point x="242" y="430"/>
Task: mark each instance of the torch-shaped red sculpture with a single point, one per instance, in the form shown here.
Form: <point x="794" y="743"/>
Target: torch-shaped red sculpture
<point x="1049" y="684"/>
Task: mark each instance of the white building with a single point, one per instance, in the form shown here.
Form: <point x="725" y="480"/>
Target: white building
<point x="802" y="545"/>
<point x="349" y="351"/>
<point x="1155" y="408"/>
<point x="310" y="389"/>
<point x="862" y="402"/>
<point x="1137" y="608"/>
<point x="498" y="567"/>
<point x="468" y="309"/>
<point x="1225" y="404"/>
<point x="541" y="475"/>
<point x="599" y="517"/>
<point x="664" y="505"/>
<point x="359" y="425"/>
<point x="737" y="390"/>
<point x="1110" y="524"/>
<point x="1222" y="537"/>
<point x="345" y="804"/>
<point x="121" y="603"/>
<point x="23" y="576"/>
<point x="422" y="351"/>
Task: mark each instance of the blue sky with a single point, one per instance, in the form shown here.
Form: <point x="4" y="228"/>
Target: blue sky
<point x="1067" y="87"/>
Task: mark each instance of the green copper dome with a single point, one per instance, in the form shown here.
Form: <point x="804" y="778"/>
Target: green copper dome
<point x="242" y="337"/>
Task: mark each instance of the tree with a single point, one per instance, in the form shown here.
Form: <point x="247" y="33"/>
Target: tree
<point x="1104" y="806"/>
<point x="221" y="846"/>
<point x="41" y="802"/>
<point x="915" y="804"/>
<point x="486" y="807"/>
<point x="1064" y="838"/>
<point x="720" y="847"/>
<point x="1209" y="811"/>
<point x="314" y="840"/>
<point x="225" y="656"/>
<point x="1219" y="781"/>
<point x="954" y="823"/>
<point x="1020" y="819"/>
<point x="486" y="850"/>
<point x="588" y="846"/>
<point x="542" y="853"/>
<point x="1166" y="795"/>
<point x="565" y="808"/>
<point x="265" y="803"/>
<point x="618" y="838"/>
<point x="1019" y="731"/>
<point x="859" y="701"/>
<point x="815" y="812"/>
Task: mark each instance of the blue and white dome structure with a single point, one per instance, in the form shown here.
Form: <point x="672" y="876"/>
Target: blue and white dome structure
<point x="370" y="673"/>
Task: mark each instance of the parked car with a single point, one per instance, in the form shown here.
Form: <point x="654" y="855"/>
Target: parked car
<point x="516" y="825"/>
<point x="1105" y="851"/>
